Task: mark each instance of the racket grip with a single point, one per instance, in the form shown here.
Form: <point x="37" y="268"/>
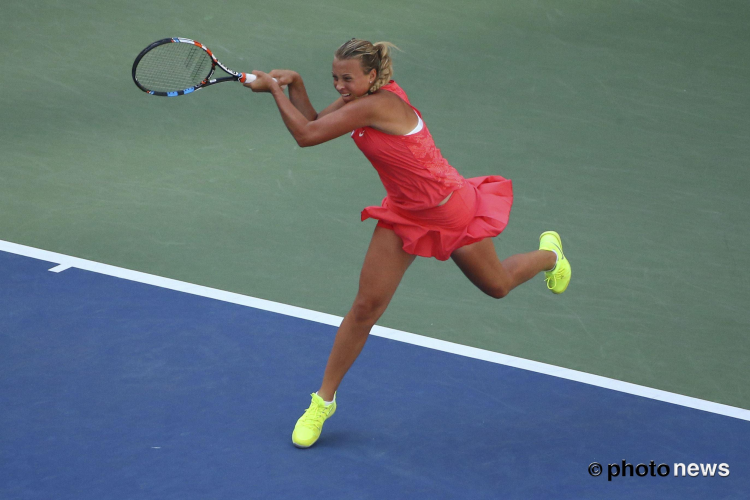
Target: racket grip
<point x="249" y="78"/>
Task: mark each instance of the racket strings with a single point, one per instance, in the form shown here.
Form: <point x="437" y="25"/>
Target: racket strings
<point x="173" y="66"/>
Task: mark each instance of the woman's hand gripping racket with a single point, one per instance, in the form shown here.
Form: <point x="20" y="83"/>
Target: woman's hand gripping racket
<point x="179" y="66"/>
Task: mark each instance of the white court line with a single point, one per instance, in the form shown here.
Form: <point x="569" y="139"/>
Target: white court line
<point x="66" y="262"/>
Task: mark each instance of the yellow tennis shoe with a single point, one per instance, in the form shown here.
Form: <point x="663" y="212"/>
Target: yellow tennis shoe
<point x="310" y="424"/>
<point x="558" y="277"/>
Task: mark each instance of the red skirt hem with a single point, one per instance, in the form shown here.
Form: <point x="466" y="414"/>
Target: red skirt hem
<point x="478" y="210"/>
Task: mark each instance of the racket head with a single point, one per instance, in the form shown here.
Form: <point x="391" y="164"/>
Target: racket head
<point x="173" y="66"/>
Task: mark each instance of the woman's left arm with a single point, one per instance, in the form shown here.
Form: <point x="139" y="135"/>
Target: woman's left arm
<point x="351" y="116"/>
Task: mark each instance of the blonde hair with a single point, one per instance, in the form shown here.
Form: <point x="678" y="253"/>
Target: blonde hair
<point x="371" y="56"/>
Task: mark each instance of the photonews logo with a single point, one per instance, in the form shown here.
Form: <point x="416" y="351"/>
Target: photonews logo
<point x="662" y="470"/>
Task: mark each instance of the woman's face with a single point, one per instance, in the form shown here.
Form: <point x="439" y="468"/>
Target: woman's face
<point x="349" y="80"/>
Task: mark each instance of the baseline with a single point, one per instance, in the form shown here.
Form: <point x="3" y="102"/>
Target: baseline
<point x="65" y="262"/>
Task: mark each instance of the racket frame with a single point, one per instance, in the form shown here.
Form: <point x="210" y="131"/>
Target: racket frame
<point x="235" y="76"/>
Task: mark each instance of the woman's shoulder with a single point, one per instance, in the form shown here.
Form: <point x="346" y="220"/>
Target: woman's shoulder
<point x="395" y="88"/>
<point x="387" y="97"/>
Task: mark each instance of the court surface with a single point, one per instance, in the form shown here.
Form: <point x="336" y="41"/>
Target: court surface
<point x="623" y="126"/>
<point x="113" y="388"/>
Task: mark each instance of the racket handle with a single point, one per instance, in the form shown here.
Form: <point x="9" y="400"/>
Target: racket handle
<point x="249" y="78"/>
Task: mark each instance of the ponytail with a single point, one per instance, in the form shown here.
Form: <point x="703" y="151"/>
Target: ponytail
<point x="385" y="69"/>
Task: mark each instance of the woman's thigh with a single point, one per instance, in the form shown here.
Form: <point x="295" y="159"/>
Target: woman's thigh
<point x="480" y="264"/>
<point x="384" y="266"/>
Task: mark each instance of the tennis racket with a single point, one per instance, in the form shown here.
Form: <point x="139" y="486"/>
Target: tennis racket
<point x="179" y="66"/>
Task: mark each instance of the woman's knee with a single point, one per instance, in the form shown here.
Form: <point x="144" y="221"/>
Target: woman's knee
<point x="498" y="291"/>
<point x="367" y="309"/>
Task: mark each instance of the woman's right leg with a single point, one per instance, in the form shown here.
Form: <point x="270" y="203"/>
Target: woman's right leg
<point x="384" y="266"/>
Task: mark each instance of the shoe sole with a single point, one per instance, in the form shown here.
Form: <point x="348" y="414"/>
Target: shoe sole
<point x="556" y="236"/>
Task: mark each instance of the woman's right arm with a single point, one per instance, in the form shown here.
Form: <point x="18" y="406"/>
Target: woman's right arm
<point x="298" y="94"/>
<point x="297" y="91"/>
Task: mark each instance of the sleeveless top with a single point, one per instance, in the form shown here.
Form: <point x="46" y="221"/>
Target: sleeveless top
<point x="414" y="173"/>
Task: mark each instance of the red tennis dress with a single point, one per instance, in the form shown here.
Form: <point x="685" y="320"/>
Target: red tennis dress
<point x="417" y="178"/>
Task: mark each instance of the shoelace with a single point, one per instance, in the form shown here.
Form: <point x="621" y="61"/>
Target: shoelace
<point x="314" y="416"/>
<point x="552" y="277"/>
<point x="551" y="280"/>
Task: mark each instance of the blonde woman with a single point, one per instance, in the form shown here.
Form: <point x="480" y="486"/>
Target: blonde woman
<point x="430" y="210"/>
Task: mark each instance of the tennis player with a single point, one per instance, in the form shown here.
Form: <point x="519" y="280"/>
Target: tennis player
<point x="430" y="210"/>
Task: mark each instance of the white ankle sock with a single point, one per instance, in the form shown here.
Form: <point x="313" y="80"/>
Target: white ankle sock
<point x="557" y="258"/>
<point x="328" y="403"/>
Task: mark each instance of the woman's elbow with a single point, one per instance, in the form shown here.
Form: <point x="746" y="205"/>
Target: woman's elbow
<point x="305" y="141"/>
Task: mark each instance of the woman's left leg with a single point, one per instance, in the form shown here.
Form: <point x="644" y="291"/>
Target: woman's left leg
<point x="385" y="264"/>
<point x="480" y="264"/>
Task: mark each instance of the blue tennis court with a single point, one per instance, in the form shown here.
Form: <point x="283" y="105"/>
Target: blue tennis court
<point x="113" y="388"/>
